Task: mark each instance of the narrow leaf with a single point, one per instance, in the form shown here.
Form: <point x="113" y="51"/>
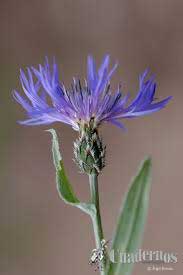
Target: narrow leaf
<point x="130" y="228"/>
<point x="64" y="187"/>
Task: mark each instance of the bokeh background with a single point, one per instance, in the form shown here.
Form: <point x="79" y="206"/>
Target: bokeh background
<point x="39" y="234"/>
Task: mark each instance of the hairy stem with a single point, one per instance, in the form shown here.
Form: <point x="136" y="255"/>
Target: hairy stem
<point x="97" y="223"/>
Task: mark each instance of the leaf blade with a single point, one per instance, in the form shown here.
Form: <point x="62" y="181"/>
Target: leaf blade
<point x="132" y="219"/>
<point x="64" y="187"/>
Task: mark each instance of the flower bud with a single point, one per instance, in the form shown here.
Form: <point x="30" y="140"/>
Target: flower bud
<point x="89" y="151"/>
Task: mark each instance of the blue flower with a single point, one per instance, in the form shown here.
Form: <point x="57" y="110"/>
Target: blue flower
<point x="47" y="100"/>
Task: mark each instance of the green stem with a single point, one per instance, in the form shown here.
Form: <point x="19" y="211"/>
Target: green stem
<point x="97" y="223"/>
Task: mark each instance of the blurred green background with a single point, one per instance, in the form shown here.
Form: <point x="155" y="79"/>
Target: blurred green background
<point x="39" y="234"/>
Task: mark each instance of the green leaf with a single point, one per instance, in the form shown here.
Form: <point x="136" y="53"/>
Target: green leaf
<point x="64" y="187"/>
<point x="130" y="228"/>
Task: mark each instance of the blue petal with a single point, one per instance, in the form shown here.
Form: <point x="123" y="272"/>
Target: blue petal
<point x="91" y="73"/>
<point x="118" y="124"/>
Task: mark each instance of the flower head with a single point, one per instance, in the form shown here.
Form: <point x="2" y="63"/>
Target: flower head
<point x="91" y="104"/>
